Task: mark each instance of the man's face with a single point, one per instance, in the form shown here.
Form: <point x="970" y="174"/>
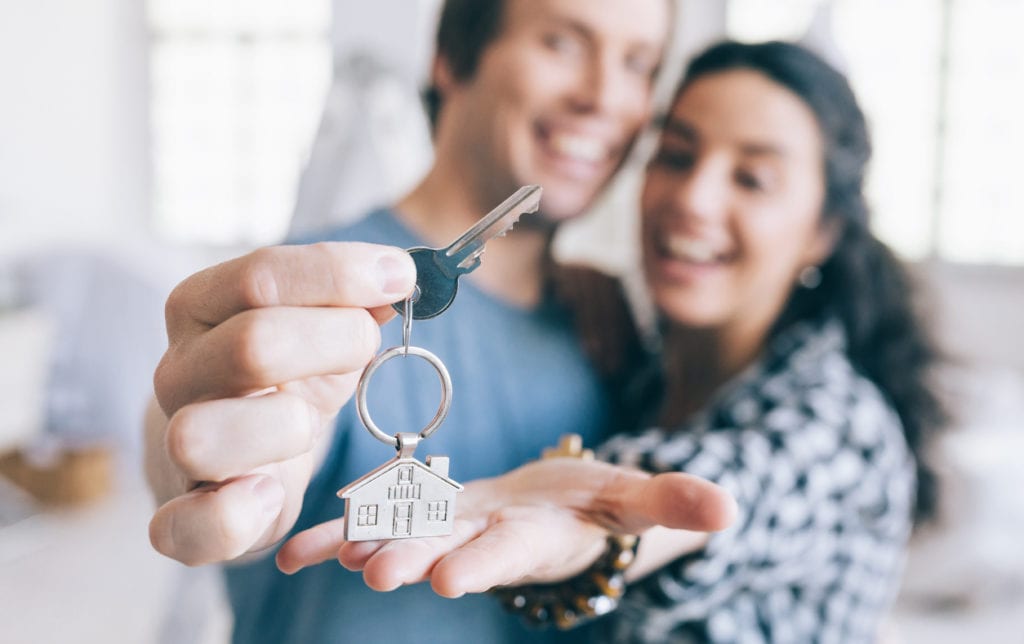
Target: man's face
<point x="557" y="99"/>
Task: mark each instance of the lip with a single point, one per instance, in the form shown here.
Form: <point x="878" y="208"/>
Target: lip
<point x="699" y="264"/>
<point x="578" y="154"/>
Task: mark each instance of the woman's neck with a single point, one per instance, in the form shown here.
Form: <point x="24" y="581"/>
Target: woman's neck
<point x="698" y="362"/>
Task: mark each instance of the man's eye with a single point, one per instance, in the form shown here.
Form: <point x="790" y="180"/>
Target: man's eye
<point x="561" y="43"/>
<point x="641" y="65"/>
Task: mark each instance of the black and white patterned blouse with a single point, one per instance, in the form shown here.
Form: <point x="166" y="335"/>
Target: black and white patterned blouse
<point x="825" y="483"/>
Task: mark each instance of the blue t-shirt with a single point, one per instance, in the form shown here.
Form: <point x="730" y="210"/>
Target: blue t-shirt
<point x="519" y="381"/>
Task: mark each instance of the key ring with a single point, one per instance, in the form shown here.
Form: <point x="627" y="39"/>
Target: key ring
<point x="404" y="350"/>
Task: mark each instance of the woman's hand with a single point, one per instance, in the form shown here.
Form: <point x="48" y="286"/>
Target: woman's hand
<point x="544" y="521"/>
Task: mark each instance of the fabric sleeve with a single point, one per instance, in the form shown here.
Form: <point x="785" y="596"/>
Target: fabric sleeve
<point x="823" y="484"/>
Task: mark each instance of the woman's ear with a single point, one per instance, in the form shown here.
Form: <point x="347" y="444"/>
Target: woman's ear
<point x="825" y="239"/>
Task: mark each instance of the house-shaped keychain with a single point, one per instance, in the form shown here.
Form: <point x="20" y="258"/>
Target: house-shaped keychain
<point x="401" y="498"/>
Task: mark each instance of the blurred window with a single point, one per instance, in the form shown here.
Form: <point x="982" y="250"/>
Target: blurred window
<point x="942" y="83"/>
<point x="237" y="88"/>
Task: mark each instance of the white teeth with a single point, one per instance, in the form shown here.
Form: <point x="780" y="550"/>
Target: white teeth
<point x="579" y="147"/>
<point x="692" y="250"/>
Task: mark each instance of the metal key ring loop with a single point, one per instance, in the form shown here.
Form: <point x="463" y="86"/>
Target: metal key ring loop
<point x="446" y="391"/>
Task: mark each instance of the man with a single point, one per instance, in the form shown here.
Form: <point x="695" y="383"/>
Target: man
<point x="263" y="350"/>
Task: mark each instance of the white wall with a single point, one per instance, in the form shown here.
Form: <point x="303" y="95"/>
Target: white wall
<point x="980" y="312"/>
<point x="74" y="166"/>
<point x="399" y="32"/>
<point x="73" y="101"/>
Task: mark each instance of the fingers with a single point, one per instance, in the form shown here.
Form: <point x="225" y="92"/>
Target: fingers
<point x="218" y="523"/>
<point x="299" y="319"/>
<point x="621" y="499"/>
<point x="546" y="521"/>
<point x="353" y="555"/>
<point x="691" y="503"/>
<point x="405" y="561"/>
<point x="261" y="348"/>
<point x="674" y="500"/>
<point x="220" y="439"/>
<point x="386" y="564"/>
<point x="311" y="547"/>
<point x="326" y="274"/>
<point x="533" y="542"/>
<point x="278" y="314"/>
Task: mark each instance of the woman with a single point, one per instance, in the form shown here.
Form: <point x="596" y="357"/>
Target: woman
<point x="794" y="374"/>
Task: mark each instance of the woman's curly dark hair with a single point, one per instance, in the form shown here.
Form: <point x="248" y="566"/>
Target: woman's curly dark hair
<point x="862" y="282"/>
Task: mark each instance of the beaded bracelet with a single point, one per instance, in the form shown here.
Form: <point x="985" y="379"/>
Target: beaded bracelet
<point x="594" y="592"/>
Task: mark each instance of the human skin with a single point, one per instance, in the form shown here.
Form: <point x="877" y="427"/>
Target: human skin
<point x="732" y="211"/>
<point x="557" y="100"/>
<point x="250" y="382"/>
<point x="541" y="522"/>
<point x="263" y="350"/>
<point x="559" y="97"/>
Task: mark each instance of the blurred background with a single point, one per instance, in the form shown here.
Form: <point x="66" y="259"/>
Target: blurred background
<point x="141" y="141"/>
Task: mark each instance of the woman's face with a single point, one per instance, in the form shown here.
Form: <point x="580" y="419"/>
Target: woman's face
<point x="732" y="203"/>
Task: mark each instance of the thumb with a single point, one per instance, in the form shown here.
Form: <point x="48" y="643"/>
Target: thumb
<point x="673" y="499"/>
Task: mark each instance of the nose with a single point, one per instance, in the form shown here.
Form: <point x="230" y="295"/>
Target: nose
<point x="701" y="195"/>
<point x="606" y="88"/>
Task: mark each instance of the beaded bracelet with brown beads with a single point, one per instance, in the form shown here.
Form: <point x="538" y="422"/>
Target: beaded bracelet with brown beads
<point x="594" y="592"/>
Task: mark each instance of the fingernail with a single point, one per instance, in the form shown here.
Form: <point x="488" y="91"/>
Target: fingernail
<point x="270" y="494"/>
<point x="396" y="273"/>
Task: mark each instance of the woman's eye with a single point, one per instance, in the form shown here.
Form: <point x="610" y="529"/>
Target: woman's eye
<point x="752" y="181"/>
<point x="673" y="159"/>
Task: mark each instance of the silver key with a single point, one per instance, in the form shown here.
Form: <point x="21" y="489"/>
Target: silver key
<point x="438" y="269"/>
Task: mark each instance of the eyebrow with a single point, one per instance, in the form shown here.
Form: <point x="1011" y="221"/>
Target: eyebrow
<point x="678" y="128"/>
<point x="573" y="25"/>
<point x="587" y="32"/>
<point x="683" y="130"/>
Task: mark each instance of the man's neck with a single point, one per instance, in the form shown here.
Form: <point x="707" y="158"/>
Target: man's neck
<point x="441" y="208"/>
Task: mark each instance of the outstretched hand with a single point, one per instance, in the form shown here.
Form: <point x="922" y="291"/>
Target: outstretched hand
<point x="544" y="521"/>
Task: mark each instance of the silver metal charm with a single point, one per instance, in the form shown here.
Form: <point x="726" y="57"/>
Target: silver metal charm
<point x="403" y="497"/>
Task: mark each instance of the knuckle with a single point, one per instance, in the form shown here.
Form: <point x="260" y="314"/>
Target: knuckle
<point x="168" y="537"/>
<point x="187" y="443"/>
<point x="231" y="526"/>
<point x="163" y="383"/>
<point x="258" y="285"/>
<point x="230" y="535"/>
<point x="177" y="301"/>
<point x="201" y="528"/>
<point x="365" y="335"/>
<point x="338" y="271"/>
<point x="304" y="418"/>
<point x="159" y="536"/>
<point x="252" y="346"/>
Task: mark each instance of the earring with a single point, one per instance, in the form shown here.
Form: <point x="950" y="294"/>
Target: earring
<point x="810" y="277"/>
